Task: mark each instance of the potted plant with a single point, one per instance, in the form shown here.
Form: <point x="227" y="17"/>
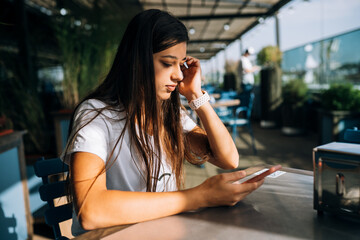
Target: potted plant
<point x="269" y="56"/>
<point x="270" y="85"/>
<point x="294" y="95"/>
<point x="340" y="110"/>
<point x="230" y="76"/>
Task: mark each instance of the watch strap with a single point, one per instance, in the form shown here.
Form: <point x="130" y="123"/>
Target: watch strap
<point x="197" y="103"/>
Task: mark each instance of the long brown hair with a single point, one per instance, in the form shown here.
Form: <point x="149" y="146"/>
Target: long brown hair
<point x="130" y="87"/>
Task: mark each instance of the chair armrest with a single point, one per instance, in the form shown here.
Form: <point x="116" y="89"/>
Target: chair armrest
<point x="223" y="111"/>
<point x="240" y="109"/>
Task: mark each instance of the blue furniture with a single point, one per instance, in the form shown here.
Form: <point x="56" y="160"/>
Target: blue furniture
<point x="239" y="116"/>
<point x="333" y="124"/>
<point x="352" y="135"/>
<point x="228" y="95"/>
<point x="15" y="216"/>
<point x="52" y="173"/>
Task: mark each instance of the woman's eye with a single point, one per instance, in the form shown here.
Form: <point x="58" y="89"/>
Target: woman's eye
<point x="166" y="64"/>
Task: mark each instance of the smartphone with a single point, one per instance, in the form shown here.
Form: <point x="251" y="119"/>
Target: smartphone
<point x="257" y="173"/>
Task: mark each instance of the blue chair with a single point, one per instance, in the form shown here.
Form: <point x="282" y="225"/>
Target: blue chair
<point x="240" y="116"/>
<point x="209" y="88"/>
<point x="228" y="95"/>
<point x="352" y="135"/>
<point x="52" y="173"/>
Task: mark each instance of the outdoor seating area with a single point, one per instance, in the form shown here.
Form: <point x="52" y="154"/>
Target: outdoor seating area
<point x="272" y="148"/>
<point x="282" y="76"/>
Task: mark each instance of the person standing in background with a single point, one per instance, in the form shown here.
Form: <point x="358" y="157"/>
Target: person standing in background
<point x="247" y="70"/>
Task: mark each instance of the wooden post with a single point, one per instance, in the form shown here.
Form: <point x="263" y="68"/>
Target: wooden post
<point x="277" y="31"/>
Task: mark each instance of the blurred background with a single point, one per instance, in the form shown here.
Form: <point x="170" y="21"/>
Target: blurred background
<point x="53" y="52"/>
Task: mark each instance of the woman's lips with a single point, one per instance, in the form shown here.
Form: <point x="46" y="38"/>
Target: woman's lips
<point x="171" y="87"/>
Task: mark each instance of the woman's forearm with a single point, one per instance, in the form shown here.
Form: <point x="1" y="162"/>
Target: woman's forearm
<point x="221" y="142"/>
<point x="111" y="207"/>
<point x="107" y="208"/>
<point x="99" y="207"/>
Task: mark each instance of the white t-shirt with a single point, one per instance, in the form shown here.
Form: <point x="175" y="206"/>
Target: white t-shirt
<point x="99" y="137"/>
<point x="247" y="77"/>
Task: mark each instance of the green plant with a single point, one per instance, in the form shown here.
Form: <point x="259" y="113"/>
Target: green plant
<point x="25" y="110"/>
<point x="269" y="56"/>
<point x="341" y="97"/>
<point x="86" y="55"/>
<point x="294" y="92"/>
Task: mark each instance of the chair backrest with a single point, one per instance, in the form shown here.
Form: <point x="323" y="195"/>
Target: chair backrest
<point x="228" y="95"/>
<point x="224" y="112"/>
<point x="247" y="100"/>
<point x="52" y="173"/>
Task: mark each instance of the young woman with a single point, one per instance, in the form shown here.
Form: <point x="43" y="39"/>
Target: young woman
<point x="129" y="137"/>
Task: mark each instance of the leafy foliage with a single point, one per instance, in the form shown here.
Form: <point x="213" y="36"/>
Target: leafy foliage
<point x="24" y="109"/>
<point x="295" y="92"/>
<point x="341" y="97"/>
<point x="86" y="53"/>
<point x="269" y="56"/>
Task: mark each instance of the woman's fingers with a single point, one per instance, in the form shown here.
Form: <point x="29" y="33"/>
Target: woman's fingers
<point x="220" y="190"/>
<point x="240" y="191"/>
<point x="249" y="187"/>
<point x="224" y="192"/>
<point x="191" y="83"/>
<point x="233" y="176"/>
<point x="191" y="61"/>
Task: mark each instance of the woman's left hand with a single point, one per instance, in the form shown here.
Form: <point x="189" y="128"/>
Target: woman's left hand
<point x="190" y="86"/>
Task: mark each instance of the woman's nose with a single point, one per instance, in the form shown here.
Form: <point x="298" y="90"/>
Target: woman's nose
<point x="177" y="74"/>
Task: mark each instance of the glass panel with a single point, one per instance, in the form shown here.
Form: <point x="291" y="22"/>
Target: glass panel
<point x="332" y="60"/>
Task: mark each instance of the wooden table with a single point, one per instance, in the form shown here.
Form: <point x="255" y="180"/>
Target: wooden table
<point x="225" y="103"/>
<point x="281" y="209"/>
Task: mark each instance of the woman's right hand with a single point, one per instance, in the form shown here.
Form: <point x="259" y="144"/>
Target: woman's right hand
<point x="222" y="190"/>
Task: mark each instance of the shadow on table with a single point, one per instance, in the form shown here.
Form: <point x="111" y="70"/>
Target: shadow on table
<point x="7" y="226"/>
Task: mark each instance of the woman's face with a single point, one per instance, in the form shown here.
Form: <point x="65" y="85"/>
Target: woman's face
<point x="167" y="70"/>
